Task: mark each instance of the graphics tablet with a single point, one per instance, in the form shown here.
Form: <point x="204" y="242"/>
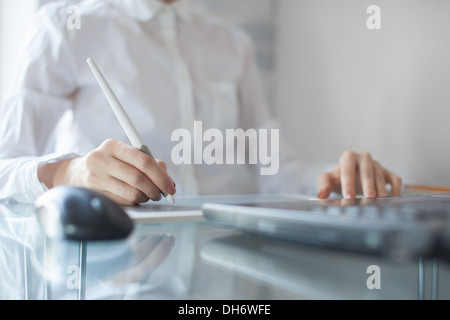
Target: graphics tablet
<point x="188" y="208"/>
<point x="158" y="213"/>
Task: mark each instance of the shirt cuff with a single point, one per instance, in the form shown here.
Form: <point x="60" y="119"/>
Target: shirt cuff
<point x="36" y="187"/>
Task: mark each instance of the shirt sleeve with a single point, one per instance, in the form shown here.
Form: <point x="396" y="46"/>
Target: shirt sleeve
<point x="34" y="108"/>
<point x="290" y="175"/>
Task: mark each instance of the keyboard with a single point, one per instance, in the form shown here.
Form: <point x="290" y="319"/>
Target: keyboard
<point x="399" y="228"/>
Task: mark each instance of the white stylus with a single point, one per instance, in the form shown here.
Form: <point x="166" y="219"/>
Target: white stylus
<point x="122" y="116"/>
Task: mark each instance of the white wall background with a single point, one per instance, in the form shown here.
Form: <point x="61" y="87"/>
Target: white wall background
<point x="335" y="84"/>
<point x="341" y="86"/>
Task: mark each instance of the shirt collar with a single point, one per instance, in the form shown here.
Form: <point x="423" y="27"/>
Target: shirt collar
<point x="144" y="10"/>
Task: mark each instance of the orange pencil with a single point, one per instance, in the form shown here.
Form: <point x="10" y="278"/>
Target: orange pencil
<point x="428" y="188"/>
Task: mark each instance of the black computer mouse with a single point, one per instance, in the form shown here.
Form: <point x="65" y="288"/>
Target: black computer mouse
<point x="81" y="214"/>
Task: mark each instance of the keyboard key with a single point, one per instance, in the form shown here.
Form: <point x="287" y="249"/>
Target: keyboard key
<point x="370" y="212"/>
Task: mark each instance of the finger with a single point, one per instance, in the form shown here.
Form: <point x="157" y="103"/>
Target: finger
<point x="142" y="162"/>
<point x="395" y="182"/>
<point x="134" y="178"/>
<point x="347" y="165"/>
<point x="152" y="170"/>
<point x="123" y="192"/>
<point x="380" y="181"/>
<point x="325" y="184"/>
<point x="120" y="200"/>
<point x="366" y="172"/>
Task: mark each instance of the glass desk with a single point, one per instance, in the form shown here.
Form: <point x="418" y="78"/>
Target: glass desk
<point x="195" y="261"/>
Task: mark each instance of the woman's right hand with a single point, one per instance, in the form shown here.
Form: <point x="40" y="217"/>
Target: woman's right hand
<point x="124" y="173"/>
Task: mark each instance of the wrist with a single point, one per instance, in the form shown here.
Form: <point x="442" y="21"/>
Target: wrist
<point x="55" y="174"/>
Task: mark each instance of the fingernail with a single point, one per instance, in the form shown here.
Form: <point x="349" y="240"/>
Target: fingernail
<point x="349" y="196"/>
<point x="321" y="195"/>
<point x="170" y="242"/>
<point x="171" y="190"/>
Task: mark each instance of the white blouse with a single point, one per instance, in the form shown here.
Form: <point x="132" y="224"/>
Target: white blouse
<point x="170" y="67"/>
